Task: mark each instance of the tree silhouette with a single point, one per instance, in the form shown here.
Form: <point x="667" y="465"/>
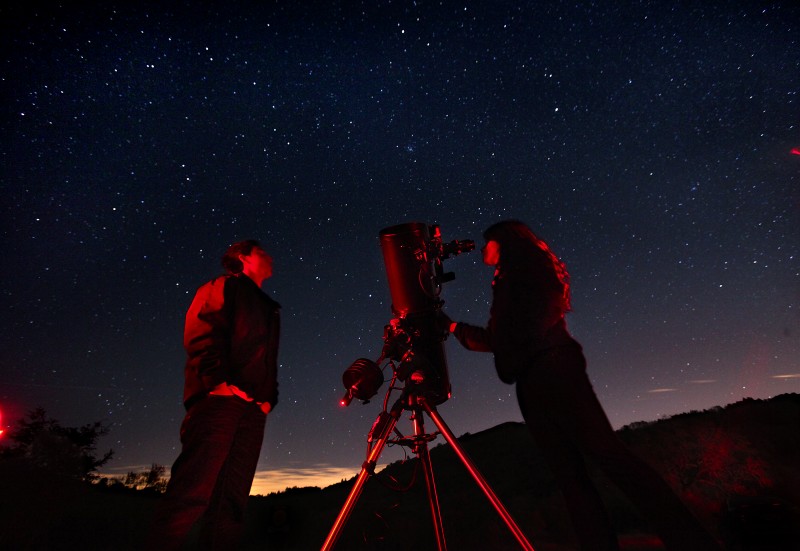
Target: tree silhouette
<point x="67" y="451"/>
<point x="717" y="464"/>
<point x="706" y="461"/>
<point x="152" y="479"/>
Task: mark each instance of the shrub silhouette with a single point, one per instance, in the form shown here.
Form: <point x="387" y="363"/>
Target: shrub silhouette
<point x="66" y="451"/>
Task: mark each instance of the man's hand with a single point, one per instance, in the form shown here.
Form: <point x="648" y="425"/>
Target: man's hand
<point x="221" y="389"/>
<point x="224" y="389"/>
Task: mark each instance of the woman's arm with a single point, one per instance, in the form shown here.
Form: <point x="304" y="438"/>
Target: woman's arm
<point x="471" y="337"/>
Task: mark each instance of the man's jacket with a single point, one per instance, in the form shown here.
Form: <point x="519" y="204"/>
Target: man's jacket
<point x="231" y="336"/>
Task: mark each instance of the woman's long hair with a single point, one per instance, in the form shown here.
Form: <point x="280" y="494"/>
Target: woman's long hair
<point x="522" y="252"/>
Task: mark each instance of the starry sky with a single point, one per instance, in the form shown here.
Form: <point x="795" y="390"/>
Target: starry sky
<point x="654" y="145"/>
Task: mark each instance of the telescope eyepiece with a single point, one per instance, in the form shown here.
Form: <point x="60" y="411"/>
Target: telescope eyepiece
<point x="456" y="247"/>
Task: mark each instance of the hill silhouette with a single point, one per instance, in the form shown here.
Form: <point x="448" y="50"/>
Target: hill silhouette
<point x="735" y="466"/>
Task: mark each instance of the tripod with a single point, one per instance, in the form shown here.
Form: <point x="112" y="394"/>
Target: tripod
<point x="413" y="399"/>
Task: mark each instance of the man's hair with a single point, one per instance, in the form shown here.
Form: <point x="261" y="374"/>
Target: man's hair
<point x="230" y="260"/>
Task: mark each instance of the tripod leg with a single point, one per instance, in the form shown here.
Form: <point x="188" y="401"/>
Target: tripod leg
<point x="421" y="449"/>
<point x="477" y="476"/>
<point x="366" y="471"/>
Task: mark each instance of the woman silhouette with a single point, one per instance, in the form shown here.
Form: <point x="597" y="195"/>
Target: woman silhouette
<point x="527" y="333"/>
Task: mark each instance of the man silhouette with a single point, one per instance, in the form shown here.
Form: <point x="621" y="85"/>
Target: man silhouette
<point x="231" y="338"/>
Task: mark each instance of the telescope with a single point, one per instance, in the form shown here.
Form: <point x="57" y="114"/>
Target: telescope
<point x="413" y="343"/>
<point x="413" y="254"/>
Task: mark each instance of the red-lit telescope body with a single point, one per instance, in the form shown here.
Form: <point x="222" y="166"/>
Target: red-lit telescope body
<point x="410" y="271"/>
<point x="408" y="268"/>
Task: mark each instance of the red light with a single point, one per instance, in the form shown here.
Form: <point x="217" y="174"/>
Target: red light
<point x="796" y="151"/>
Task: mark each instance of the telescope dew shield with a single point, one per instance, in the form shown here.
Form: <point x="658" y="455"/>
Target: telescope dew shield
<point x="410" y="271"/>
<point x="408" y="268"/>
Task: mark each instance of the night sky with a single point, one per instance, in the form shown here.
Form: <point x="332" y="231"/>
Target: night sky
<point x="653" y="144"/>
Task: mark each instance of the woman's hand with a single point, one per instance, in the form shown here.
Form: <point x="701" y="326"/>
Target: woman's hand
<point x="443" y="323"/>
